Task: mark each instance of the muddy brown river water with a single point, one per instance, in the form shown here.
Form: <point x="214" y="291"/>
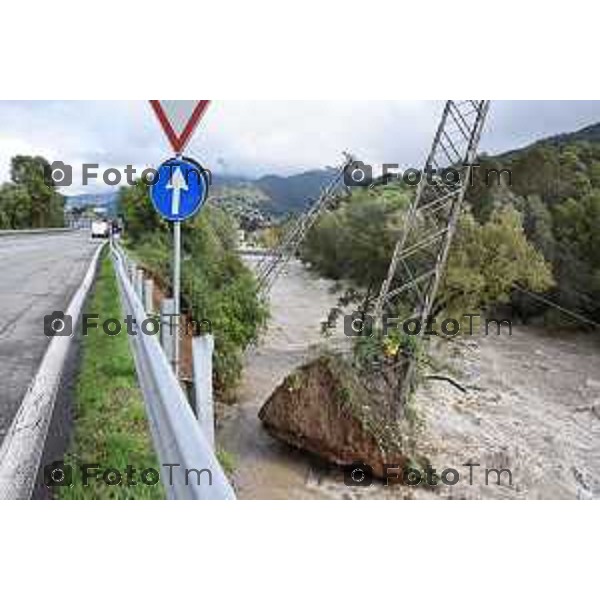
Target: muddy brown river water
<point x="532" y="407"/>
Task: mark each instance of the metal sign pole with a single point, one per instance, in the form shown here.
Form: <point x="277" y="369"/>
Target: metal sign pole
<point x="176" y="289"/>
<point x="177" y="286"/>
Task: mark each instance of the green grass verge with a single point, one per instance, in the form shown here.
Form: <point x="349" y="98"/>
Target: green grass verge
<point x="227" y="461"/>
<point x="110" y="428"/>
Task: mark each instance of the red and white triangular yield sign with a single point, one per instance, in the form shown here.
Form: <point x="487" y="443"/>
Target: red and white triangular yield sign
<point x="179" y="119"/>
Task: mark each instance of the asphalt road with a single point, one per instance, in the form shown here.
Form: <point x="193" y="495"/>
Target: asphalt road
<point x="38" y="275"/>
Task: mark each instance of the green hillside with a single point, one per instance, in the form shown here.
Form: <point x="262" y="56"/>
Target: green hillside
<point x="556" y="189"/>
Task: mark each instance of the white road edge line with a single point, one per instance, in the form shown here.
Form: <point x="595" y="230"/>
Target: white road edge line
<point x="22" y="448"/>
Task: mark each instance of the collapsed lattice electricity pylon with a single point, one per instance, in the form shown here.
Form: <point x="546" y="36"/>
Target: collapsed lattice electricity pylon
<point x="271" y="265"/>
<point x="419" y="260"/>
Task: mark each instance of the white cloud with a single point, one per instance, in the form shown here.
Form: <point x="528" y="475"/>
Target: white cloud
<point x="258" y="137"/>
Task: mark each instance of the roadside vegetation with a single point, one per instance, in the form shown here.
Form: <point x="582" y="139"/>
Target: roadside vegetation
<point x="523" y="244"/>
<point x="216" y="285"/>
<point x="110" y="424"/>
<point x="29" y="200"/>
<point x="556" y="190"/>
<point x="354" y="244"/>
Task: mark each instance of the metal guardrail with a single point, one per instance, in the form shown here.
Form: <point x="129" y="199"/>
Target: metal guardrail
<point x="177" y="435"/>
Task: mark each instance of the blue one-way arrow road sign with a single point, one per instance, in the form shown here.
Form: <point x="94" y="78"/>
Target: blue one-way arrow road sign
<point x="180" y="190"/>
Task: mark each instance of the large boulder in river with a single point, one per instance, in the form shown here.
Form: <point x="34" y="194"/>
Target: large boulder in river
<point x="324" y="408"/>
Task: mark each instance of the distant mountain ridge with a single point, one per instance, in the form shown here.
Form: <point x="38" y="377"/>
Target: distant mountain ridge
<point x="293" y="193"/>
<point x="271" y="195"/>
<point x="590" y="133"/>
<point x="106" y="200"/>
<point x="274" y="195"/>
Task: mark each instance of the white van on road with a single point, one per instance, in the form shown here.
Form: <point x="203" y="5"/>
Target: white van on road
<point x="100" y="229"/>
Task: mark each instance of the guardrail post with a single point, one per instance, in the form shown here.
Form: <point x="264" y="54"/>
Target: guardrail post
<point x="202" y="354"/>
<point x="167" y="328"/>
<point x="139" y="284"/>
<point x="132" y="271"/>
<point x="149" y="296"/>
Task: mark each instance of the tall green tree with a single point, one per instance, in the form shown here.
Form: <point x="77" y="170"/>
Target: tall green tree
<point x="486" y="262"/>
<point x="355" y="241"/>
<point x="15" y="207"/>
<point x="31" y="172"/>
<point x="577" y="230"/>
<point x="31" y="200"/>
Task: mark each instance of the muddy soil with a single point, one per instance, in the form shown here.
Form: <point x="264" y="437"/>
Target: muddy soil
<point x="532" y="406"/>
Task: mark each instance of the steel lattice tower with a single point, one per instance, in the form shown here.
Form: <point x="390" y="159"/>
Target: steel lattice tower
<point x="272" y="264"/>
<point x="420" y="256"/>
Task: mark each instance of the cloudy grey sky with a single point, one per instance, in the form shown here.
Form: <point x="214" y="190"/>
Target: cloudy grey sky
<point x="259" y="137"/>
